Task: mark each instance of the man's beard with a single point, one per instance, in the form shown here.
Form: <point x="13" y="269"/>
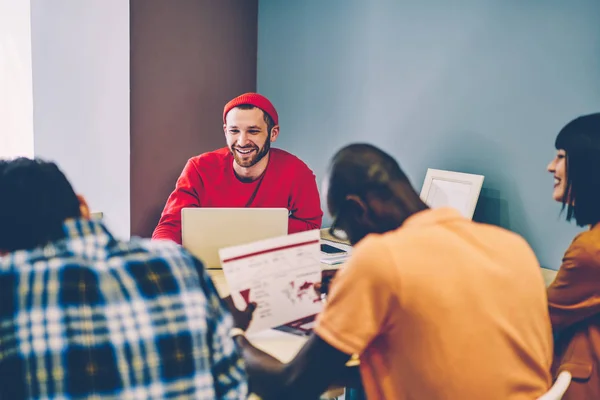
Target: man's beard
<point x="258" y="154"/>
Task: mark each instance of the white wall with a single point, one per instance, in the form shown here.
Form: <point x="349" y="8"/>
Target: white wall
<point x="81" y="98"/>
<point x="16" y="104"/>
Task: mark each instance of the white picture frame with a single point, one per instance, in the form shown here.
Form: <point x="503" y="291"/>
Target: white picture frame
<point x="452" y="189"/>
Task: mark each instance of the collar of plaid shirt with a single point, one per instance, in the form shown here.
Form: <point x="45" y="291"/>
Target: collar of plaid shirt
<point x="92" y="315"/>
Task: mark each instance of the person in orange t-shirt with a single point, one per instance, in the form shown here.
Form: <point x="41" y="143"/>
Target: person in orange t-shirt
<point x="436" y="305"/>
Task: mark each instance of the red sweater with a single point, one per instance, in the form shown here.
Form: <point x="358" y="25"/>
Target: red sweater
<point x="208" y="180"/>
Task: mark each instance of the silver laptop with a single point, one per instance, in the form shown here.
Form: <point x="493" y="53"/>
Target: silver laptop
<point x="206" y="230"/>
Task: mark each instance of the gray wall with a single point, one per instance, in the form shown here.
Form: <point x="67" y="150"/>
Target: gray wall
<point x="80" y="64"/>
<point x="473" y="86"/>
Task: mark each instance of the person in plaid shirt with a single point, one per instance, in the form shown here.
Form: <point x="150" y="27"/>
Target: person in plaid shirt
<point x="84" y="315"/>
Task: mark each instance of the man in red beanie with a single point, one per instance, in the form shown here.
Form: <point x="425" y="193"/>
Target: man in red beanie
<point x="246" y="173"/>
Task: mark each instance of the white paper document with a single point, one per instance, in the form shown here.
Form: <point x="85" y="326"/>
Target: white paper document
<point x="277" y="274"/>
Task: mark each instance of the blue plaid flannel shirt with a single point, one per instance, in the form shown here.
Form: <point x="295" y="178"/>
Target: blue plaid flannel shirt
<point x="93" y="317"/>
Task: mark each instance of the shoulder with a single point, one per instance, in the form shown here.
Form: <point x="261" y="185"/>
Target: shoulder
<point x="56" y="256"/>
<point x="211" y="158"/>
<point x="585" y="248"/>
<point x="411" y="239"/>
<point x="373" y="242"/>
<point x="207" y="165"/>
<point x="165" y="251"/>
<point x="15" y="262"/>
<point x="370" y="266"/>
<point x="156" y="247"/>
<point x="469" y="237"/>
<point x="287" y="161"/>
<point x="372" y="253"/>
<point x="405" y="242"/>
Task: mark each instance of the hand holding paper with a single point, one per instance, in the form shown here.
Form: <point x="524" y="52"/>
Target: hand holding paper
<point x="241" y="318"/>
<point x="277" y="274"/>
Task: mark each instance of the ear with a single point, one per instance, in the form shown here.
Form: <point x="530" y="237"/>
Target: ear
<point x="274" y="133"/>
<point x="358" y="207"/>
<point x="83" y="207"/>
<point x="225" y="128"/>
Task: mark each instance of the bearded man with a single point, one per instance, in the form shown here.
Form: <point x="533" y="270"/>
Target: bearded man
<point x="246" y="173"/>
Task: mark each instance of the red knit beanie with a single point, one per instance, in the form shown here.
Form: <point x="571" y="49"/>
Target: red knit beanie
<point x="255" y="99"/>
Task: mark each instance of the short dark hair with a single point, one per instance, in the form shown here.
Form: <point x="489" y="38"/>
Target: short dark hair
<point x="580" y="139"/>
<point x="35" y="200"/>
<point x="268" y="120"/>
<point x="360" y="168"/>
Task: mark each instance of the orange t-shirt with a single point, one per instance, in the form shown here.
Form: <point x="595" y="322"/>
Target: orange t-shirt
<point x="443" y="308"/>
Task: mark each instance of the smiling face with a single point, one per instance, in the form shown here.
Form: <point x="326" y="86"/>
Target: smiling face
<point x="558" y="169"/>
<point x="247" y="136"/>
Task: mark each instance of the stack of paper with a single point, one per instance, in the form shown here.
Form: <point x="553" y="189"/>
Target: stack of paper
<point x="334" y="253"/>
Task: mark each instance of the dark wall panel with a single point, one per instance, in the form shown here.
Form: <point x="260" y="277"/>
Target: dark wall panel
<point x="188" y="58"/>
